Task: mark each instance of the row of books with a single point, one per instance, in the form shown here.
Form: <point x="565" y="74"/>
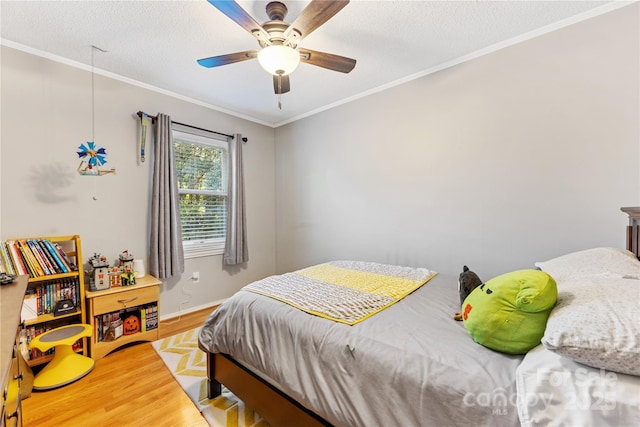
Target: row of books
<point x="42" y="299"/>
<point x="29" y="333"/>
<point x="111" y="326"/>
<point x="34" y="257"/>
<point x="149" y="317"/>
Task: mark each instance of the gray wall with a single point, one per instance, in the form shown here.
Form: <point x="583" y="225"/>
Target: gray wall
<point x="517" y="156"/>
<point x="46" y="115"/>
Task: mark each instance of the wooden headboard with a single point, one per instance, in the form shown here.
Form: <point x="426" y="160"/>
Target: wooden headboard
<point x="633" y="230"/>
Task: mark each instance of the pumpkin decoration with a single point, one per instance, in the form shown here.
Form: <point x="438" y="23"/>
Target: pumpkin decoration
<point x="131" y="325"/>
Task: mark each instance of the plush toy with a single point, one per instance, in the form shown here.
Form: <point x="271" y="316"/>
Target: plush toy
<point x="467" y="282"/>
<point x="509" y="313"/>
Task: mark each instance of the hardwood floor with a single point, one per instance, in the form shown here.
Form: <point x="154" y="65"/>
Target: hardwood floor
<point x="129" y="387"/>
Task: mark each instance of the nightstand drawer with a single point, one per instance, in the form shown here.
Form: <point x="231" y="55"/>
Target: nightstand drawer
<point x="130" y="298"/>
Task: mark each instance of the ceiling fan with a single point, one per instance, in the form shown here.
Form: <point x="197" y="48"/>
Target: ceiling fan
<point x="279" y="53"/>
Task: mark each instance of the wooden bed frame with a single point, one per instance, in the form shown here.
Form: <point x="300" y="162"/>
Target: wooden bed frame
<point x="272" y="404"/>
<point x="633" y="229"/>
<point x="281" y="410"/>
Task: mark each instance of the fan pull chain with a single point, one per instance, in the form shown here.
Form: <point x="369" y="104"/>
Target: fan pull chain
<point x="280" y="91"/>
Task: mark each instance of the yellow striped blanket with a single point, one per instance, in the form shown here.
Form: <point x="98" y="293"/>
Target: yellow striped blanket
<point x="343" y="291"/>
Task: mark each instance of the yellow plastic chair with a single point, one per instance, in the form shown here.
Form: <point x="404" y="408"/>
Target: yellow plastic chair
<point x="66" y="366"/>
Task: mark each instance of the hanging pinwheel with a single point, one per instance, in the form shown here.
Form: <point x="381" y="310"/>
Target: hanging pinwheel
<point x="91" y="156"/>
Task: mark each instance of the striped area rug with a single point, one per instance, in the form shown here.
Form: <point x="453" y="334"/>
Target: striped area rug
<point x="188" y="364"/>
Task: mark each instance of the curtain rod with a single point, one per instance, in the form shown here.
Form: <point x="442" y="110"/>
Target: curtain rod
<point x="153" y="118"/>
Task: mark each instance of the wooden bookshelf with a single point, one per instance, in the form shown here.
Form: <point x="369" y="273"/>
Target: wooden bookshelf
<point x="38" y="283"/>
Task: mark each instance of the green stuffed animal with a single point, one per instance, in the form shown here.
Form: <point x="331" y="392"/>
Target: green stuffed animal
<point x="509" y="313"/>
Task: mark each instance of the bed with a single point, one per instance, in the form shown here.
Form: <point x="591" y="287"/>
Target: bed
<point x="411" y="364"/>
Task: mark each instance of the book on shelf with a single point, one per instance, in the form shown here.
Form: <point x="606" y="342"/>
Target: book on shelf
<point x="6" y="260"/>
<point x="29" y="333"/>
<point x="63" y="257"/>
<point x="54" y="254"/>
<point x="43" y="263"/>
<point x="30" y="260"/>
<point x="3" y="264"/>
<point x="50" y="263"/>
<point x="49" y="293"/>
<point x="151" y="317"/>
<point x="36" y="258"/>
<point x="108" y="327"/>
<point x="16" y="258"/>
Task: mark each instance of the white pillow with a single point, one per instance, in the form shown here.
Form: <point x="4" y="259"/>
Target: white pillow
<point x="597" y="322"/>
<point x="597" y="262"/>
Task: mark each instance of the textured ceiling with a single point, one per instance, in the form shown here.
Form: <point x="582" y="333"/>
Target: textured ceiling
<point x="157" y="43"/>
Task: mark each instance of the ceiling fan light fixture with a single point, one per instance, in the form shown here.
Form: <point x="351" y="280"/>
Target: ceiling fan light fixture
<point x="279" y="59"/>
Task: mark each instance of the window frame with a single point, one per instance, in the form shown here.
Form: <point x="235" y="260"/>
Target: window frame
<point x="207" y="247"/>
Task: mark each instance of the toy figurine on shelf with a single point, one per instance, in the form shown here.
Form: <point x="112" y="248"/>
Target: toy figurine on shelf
<point x="126" y="268"/>
<point x="128" y="277"/>
<point x="98" y="276"/>
<point x="114" y="277"/>
<point x="126" y="259"/>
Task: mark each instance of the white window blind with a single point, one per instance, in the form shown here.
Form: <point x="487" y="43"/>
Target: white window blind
<point x="201" y="166"/>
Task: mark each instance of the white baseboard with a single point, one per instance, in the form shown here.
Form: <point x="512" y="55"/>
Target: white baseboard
<point x="190" y="310"/>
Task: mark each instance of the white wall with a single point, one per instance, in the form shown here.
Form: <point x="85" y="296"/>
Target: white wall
<point x="46" y="115"/>
<point x="517" y="156"/>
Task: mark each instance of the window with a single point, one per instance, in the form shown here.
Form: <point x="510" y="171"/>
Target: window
<point x="201" y="166"/>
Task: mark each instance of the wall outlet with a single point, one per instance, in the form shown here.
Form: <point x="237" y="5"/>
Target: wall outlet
<point x="195" y="277"/>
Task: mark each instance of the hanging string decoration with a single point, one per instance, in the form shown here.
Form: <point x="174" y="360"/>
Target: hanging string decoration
<point x="91" y="156"/>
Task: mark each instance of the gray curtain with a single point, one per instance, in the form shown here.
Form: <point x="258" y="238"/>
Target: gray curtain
<point x="235" y="248"/>
<point x="166" y="255"/>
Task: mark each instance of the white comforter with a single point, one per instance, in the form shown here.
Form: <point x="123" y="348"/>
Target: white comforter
<point x="556" y="391"/>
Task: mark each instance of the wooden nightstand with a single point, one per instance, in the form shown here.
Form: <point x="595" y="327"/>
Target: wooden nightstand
<point x="143" y="297"/>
